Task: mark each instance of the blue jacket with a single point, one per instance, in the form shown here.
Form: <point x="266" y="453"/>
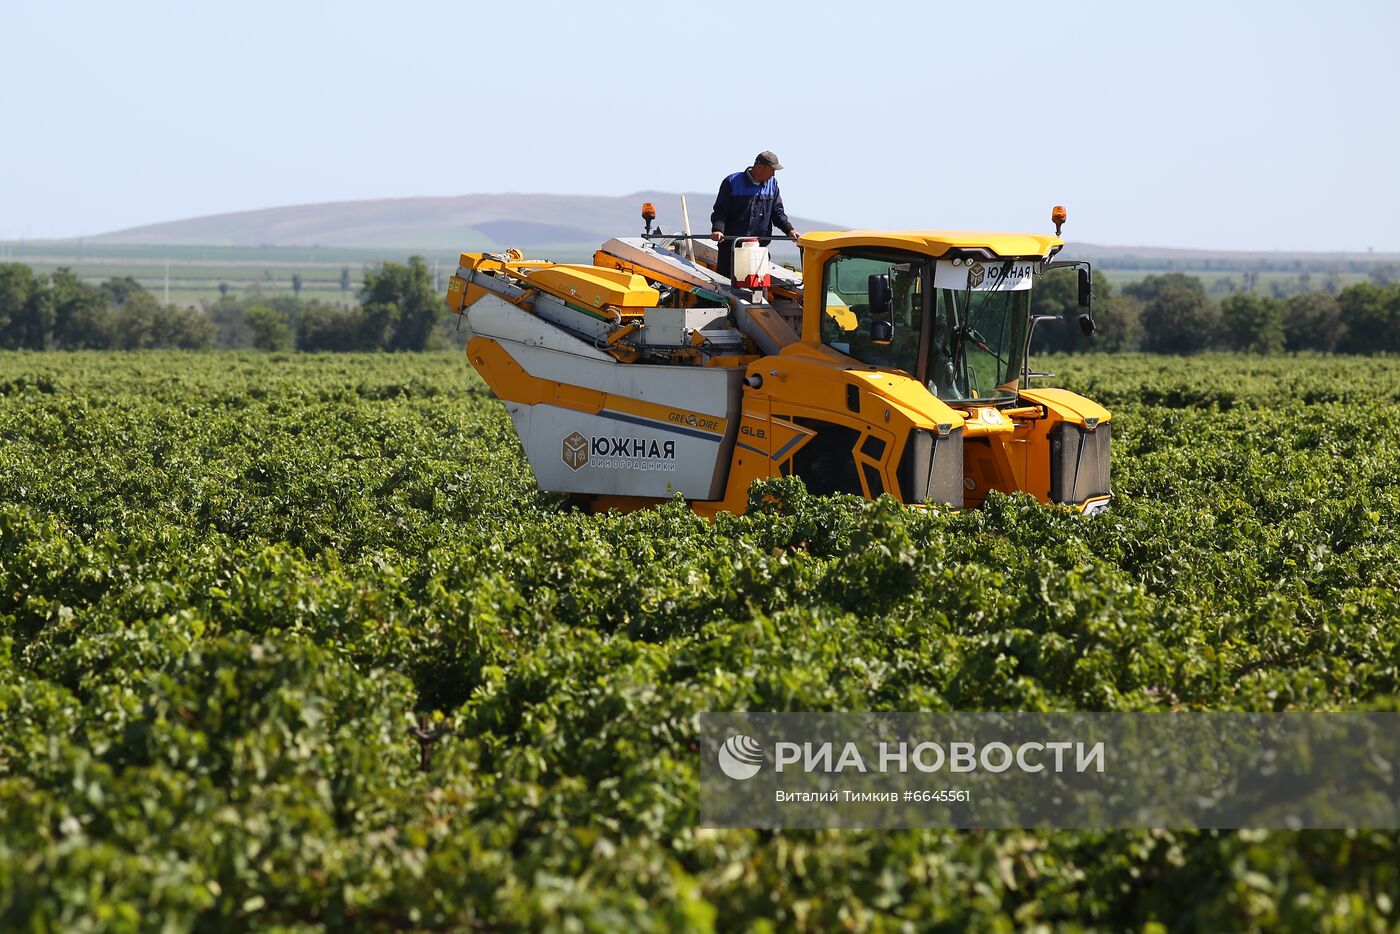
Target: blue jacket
<point x="746" y="209"/>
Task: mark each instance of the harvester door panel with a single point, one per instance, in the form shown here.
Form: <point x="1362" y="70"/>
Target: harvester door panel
<point x="870" y="457"/>
<point x="785" y="438"/>
<point x="827" y="461"/>
<point x="763" y="447"/>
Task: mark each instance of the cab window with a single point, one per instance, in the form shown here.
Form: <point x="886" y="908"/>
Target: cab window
<point x="896" y="280"/>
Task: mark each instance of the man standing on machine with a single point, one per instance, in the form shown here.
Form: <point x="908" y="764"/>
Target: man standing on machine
<point x="748" y="205"/>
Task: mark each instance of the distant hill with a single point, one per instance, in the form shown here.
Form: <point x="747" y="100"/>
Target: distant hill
<point x="465" y="222"/>
<point x="564" y="227"/>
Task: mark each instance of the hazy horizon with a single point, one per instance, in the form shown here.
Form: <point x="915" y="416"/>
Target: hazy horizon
<point x="1199" y="126"/>
<point x="669" y="214"/>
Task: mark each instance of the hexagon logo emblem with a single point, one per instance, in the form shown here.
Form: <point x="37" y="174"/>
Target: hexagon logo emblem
<point x="575" y="451"/>
<point x="975" y="274"/>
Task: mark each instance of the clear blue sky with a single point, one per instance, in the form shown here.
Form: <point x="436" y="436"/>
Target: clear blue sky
<point x="1219" y="125"/>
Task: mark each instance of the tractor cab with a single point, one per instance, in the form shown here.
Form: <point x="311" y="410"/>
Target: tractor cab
<point x="950" y="309"/>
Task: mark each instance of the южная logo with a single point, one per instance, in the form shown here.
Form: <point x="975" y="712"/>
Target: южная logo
<point x="740" y="757"/>
<point x="975" y="274"/>
<point x="575" y="451"/>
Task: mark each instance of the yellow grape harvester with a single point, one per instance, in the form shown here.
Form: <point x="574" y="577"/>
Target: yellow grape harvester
<point x="894" y="362"/>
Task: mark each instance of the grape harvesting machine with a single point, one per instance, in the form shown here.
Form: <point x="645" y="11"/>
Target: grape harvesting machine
<point x="892" y="362"/>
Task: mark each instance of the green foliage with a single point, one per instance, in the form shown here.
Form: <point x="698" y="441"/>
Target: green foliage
<point x="401" y="306"/>
<point x="135" y="327"/>
<point x="1370" y="318"/>
<point x="1119" y="324"/>
<point x="326" y="327"/>
<point x="229" y="316"/>
<point x="183" y="328"/>
<point x="1115" y="315"/>
<point x="117" y="290"/>
<point x="81" y="315"/>
<point x="1153" y="287"/>
<point x="1177" y="318"/>
<point x="66" y="313"/>
<point x="236" y="590"/>
<point x="17" y="290"/>
<point x="142" y="323"/>
<point x="269" y="329"/>
<point x="402" y="311"/>
<point x="1252" y="324"/>
<point x="1311" y="322"/>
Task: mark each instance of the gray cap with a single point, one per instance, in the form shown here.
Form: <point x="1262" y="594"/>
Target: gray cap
<point x="769" y="158"/>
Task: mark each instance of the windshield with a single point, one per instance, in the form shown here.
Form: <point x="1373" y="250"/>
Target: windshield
<point x="978" y="344"/>
<point x="964" y="345"/>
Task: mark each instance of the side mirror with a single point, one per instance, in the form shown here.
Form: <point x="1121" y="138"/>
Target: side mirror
<point x="878" y="291"/>
<point x="1086" y="301"/>
<point x="881" y="331"/>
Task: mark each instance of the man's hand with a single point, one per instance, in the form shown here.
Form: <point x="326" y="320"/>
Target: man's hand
<point x="794" y="234"/>
<point x="716" y="235"/>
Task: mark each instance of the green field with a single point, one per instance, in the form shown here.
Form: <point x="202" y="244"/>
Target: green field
<point x="236" y="590"/>
<point x="195" y="273"/>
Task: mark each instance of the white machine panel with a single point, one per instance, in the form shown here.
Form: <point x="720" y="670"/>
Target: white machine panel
<point x="661" y="430"/>
<point x="658" y="430"/>
<point x="575" y="452"/>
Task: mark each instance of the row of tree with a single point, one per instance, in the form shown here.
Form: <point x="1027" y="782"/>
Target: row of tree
<point x="1380" y="272"/>
<point x="1172" y="314"/>
<point x="61" y="311"/>
<point x="398" y="310"/>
